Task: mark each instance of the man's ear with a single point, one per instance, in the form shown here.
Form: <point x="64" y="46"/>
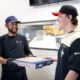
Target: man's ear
<point x="70" y="17"/>
<point x="6" y="25"/>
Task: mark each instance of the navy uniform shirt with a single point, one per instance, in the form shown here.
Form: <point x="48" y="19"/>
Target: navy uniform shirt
<point x="14" y="46"/>
<point x="69" y="55"/>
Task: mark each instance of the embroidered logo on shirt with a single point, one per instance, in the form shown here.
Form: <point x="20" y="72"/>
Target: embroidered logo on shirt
<point x="18" y="42"/>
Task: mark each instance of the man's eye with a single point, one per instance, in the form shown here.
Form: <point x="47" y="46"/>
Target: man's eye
<point x="14" y="23"/>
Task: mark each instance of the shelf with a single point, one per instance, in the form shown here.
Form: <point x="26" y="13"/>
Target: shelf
<point x="34" y="30"/>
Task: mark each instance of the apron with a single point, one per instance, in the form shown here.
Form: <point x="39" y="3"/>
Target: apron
<point x="19" y="74"/>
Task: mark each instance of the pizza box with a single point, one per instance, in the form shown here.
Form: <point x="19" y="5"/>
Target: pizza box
<point x="33" y="62"/>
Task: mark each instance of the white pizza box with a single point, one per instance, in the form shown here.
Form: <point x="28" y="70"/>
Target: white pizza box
<point x="33" y="62"/>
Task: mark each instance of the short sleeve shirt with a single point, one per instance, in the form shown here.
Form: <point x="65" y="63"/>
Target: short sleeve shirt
<point x="68" y="56"/>
<point x="14" y="46"/>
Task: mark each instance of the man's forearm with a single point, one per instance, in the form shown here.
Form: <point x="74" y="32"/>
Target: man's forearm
<point x="2" y="60"/>
<point x="54" y="58"/>
<point x="72" y="75"/>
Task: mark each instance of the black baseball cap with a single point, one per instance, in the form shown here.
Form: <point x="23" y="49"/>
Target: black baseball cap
<point x="11" y="19"/>
<point x="68" y="10"/>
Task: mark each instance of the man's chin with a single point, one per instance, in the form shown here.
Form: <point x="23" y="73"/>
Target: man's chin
<point x="13" y="32"/>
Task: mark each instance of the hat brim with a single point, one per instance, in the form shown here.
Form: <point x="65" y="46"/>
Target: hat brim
<point x="15" y="21"/>
<point x="56" y="13"/>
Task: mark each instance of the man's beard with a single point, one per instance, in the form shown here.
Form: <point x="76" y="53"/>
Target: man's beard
<point x="12" y="31"/>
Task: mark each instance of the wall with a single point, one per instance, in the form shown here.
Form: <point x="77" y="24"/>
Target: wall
<point x="22" y="10"/>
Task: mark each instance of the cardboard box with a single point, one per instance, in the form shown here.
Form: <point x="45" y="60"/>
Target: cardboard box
<point x="33" y="62"/>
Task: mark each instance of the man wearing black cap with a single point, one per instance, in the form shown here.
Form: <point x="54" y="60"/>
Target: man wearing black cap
<point x="68" y="64"/>
<point x="12" y="46"/>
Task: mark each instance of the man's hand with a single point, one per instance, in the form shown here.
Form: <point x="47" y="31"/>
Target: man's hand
<point x="10" y="64"/>
<point x="54" y="58"/>
<point x="2" y="60"/>
<point x="31" y="55"/>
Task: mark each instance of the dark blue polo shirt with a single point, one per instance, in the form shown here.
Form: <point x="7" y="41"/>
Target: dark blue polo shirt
<point x="13" y="47"/>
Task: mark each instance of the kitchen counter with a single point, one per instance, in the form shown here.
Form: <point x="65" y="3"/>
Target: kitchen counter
<point x="46" y="42"/>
